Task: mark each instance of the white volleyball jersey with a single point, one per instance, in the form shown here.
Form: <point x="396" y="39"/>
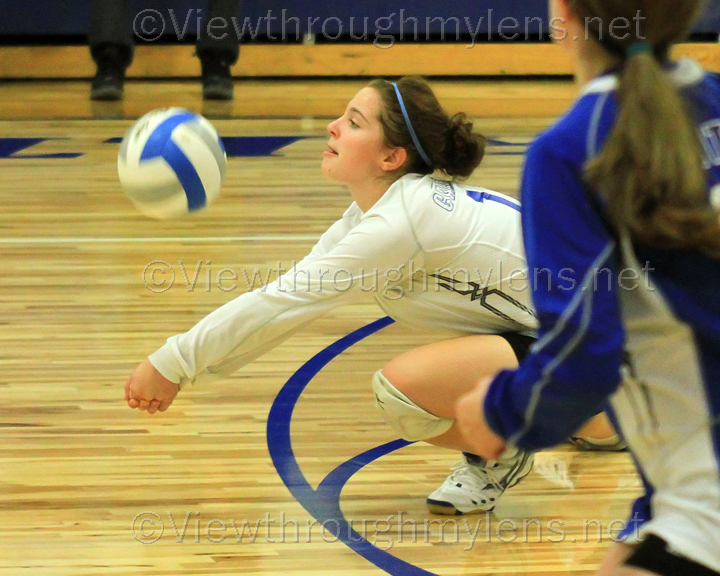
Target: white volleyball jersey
<point x="434" y="255"/>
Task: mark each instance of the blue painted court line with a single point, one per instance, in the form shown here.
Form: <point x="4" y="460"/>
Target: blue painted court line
<point x="324" y="503"/>
<point x="235" y="146"/>
<point x="492" y="142"/>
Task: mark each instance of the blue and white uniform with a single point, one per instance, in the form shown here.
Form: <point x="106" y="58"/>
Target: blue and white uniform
<point x="622" y="321"/>
<point x="434" y="255"/>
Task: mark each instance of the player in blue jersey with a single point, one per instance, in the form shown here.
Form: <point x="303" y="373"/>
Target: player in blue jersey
<point x="621" y="203"/>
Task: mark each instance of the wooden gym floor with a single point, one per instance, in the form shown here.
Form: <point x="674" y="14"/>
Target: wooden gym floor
<point x="219" y="484"/>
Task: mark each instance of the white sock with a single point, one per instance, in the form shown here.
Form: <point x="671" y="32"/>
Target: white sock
<point x="603" y="441"/>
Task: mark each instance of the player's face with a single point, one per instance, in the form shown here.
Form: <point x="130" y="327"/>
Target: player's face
<point x="356" y="149"/>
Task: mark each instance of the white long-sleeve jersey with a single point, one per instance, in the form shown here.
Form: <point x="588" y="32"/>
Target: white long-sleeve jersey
<point x="434" y="255"/>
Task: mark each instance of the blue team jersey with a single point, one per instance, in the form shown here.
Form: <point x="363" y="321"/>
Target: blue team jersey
<point x="622" y="322"/>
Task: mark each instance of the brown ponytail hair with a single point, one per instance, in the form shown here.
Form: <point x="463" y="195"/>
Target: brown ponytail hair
<point x="449" y="142"/>
<point x="651" y="169"/>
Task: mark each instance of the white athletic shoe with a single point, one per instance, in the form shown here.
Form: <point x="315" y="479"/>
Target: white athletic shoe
<point x="476" y="484"/>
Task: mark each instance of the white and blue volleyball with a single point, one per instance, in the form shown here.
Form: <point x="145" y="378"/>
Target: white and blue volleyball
<point x="171" y="162"/>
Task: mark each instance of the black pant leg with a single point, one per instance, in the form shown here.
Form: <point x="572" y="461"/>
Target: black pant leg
<point x="226" y="43"/>
<point x="110" y="24"/>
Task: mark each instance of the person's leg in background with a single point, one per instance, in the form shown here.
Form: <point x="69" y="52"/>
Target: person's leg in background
<point x="111" y="47"/>
<point x="219" y="47"/>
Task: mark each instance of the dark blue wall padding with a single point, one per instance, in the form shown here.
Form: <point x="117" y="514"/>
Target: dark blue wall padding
<point x="71" y="18"/>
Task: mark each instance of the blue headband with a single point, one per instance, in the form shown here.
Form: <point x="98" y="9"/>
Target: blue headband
<point x="410" y="128"/>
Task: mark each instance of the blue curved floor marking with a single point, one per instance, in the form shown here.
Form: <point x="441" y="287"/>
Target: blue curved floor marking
<point x="324" y="503"/>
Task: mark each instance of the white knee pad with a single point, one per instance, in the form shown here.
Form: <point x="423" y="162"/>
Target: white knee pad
<point x="404" y="416"/>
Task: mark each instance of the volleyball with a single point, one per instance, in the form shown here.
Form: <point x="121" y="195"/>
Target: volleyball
<point x="171" y="162"/>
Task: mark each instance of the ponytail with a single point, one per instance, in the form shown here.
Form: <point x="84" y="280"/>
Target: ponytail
<point x="651" y="168"/>
<point x="463" y="150"/>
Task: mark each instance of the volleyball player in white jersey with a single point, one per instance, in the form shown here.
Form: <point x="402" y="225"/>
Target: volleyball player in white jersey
<point x="454" y="260"/>
<point x="629" y="183"/>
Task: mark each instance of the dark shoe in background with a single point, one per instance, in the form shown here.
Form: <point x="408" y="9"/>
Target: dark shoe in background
<point x="110" y="77"/>
<point x="216" y="78"/>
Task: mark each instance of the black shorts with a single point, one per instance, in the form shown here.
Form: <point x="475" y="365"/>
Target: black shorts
<point x="654" y="555"/>
<point x="519" y="343"/>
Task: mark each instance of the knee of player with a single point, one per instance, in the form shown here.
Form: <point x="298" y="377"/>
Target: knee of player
<point x="402" y="414"/>
<point x="396" y="371"/>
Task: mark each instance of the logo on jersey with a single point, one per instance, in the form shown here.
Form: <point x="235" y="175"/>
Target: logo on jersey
<point x="444" y="195"/>
<point x="485" y="295"/>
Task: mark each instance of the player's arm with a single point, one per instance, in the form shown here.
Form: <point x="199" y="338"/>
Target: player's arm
<point x="149" y="389"/>
<point x="575" y="364"/>
<point x="257" y="321"/>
